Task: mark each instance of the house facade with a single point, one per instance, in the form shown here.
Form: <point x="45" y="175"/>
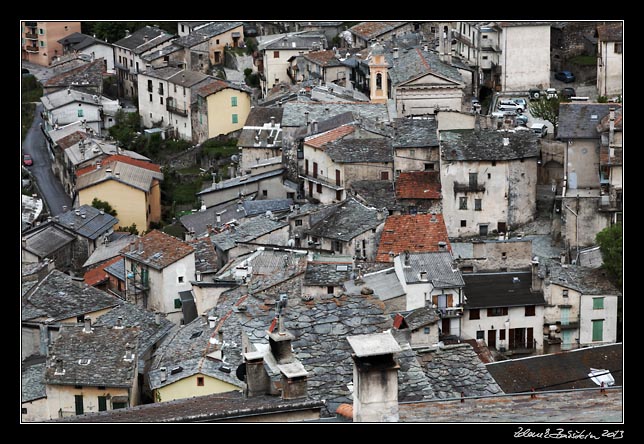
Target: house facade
<point x="488" y="180"/>
<point x="40" y="40"/>
<point x="68" y="106"/>
<point x="266" y="185"/>
<point x="610" y="59"/>
<point x="158" y="268"/>
<point x="518" y="72"/>
<point x="416" y="146"/>
<point x="260" y="141"/>
<point x="204" y="45"/>
<point x="78" y="43"/>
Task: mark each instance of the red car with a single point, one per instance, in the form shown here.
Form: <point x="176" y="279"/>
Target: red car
<point x="27" y="160"/>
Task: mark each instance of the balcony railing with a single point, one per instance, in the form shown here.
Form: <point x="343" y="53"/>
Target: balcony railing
<point x="33" y="49"/>
<point x="175" y="110"/>
<point x="450" y="312"/>
<point x="31" y="36"/>
<point x="610" y="205"/>
<point x="321" y="180"/>
<point x="468" y="188"/>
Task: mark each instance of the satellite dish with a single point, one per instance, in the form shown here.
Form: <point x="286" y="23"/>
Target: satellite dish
<point x="234" y="158"/>
<point x="241" y="372"/>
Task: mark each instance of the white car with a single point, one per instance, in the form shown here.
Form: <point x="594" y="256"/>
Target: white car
<point x="551" y="93"/>
<point x="509" y="105"/>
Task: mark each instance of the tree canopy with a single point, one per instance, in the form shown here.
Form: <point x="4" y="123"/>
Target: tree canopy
<point x="103" y="205"/>
<point x="546" y="109"/>
<point x="610" y="244"/>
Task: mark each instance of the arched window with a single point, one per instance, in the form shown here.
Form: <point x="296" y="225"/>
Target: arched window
<point x="379" y="81"/>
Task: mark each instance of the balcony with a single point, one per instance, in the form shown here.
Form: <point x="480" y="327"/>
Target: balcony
<point x="31" y="36"/>
<point x="32" y="49"/>
<point x="609" y="204"/>
<point x="468" y="187"/>
<point x="175" y="110"/>
<point x="321" y="180"/>
<point x="450" y="312"/>
<point x="31" y="24"/>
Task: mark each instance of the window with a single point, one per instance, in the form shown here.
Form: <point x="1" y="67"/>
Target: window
<point x="474" y="178"/>
<point x="80" y="112"/>
<point x="618" y="47"/>
<point x="529" y="310"/>
<point x="379" y="81"/>
<point x="161" y="100"/>
<point x="338" y="195"/>
<point x="137" y="66"/>
<point x="177" y="303"/>
<point x="426" y="330"/>
<point x="276" y="54"/>
<point x="183" y="28"/>
<point x="78" y="387"/>
<point x="330" y="289"/>
<point x="119" y="405"/>
<point x="429" y="167"/>
<point x="290" y="195"/>
<point x="180" y="279"/>
<point x="384" y="175"/>
<point x="235" y="118"/>
<point x="412" y="153"/>
<point x="298" y="222"/>
<point x="41" y="31"/>
<point x="484" y="36"/>
<point x="462" y="203"/>
<point x="489" y="176"/>
<point x="265" y="193"/>
<point x="160" y="88"/>
<point x="504" y="255"/>
<point x="483" y="230"/>
<point x="318" y="188"/>
<point x="150" y="97"/>
<point x="78" y="403"/>
<point x="502" y="335"/>
<point x="336" y="246"/>
<point x="463" y="223"/>
<point x="200" y="381"/>
<point x="480" y="334"/>
<point x="42" y="44"/>
<point x="494" y="163"/>
<point x="564" y="293"/>
<point x="24" y="411"/>
<point x="598" y="330"/>
<point x="175" y="87"/>
<point x="101" y="387"/>
<point x="497" y="311"/>
<point x="477" y="204"/>
<point x="102" y="403"/>
<point x="598" y="303"/>
<point x="484" y="57"/>
<point x="475" y="313"/>
<point x="216" y="41"/>
<point x="233" y="101"/>
<point x="80" y="319"/>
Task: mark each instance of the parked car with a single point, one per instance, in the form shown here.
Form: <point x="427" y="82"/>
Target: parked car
<point x="509" y="105"/>
<point x="534" y="94"/>
<point x="523" y="103"/>
<point x="568" y="92"/>
<point x="521" y="119"/>
<point x="539" y="128"/>
<point x="551" y="93"/>
<point x="565" y="76"/>
<point x="502" y="114"/>
<point x="27" y="160"/>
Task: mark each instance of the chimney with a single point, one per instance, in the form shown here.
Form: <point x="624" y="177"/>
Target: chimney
<point x="140" y="246"/>
<point x="157" y="318"/>
<point x="101" y="211"/>
<point x="442" y="246"/>
<point x="119" y="323"/>
<point x="117" y="174"/>
<point x="294" y="379"/>
<point x="198" y="276"/>
<point x="375" y="377"/>
<point x="69" y="90"/>
<point x="129" y="352"/>
<point x="433" y="218"/>
<point x="59" y="367"/>
<point x="24" y="242"/>
<point x="407" y="259"/>
<point x="280" y="343"/>
<point x="536" y="280"/>
<point x="272" y="121"/>
<point x="506" y="141"/>
<point x="164" y="374"/>
<point x="306" y="117"/>
<point x="77" y="212"/>
<point x="64" y="208"/>
<point x="88" y="325"/>
<point x="315" y="127"/>
<point x="108" y="172"/>
<point x="395" y="54"/>
<point x="257" y="380"/>
<point x="212" y="321"/>
<point x="611" y="126"/>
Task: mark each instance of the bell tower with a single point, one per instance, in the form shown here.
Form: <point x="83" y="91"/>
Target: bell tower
<point x="378" y="84"/>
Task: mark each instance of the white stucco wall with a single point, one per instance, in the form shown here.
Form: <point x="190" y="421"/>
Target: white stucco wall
<point x="61" y="397"/>
<point x="69" y="113"/>
<point x="101" y="51"/>
<point x="522" y="72"/>
<point x="552" y="313"/>
<point x="588" y="314"/>
<point x="414" y="159"/>
<point x="37" y="410"/>
<point x="609" y="70"/>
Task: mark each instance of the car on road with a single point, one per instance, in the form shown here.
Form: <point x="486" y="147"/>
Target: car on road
<point x="565" y="76"/>
<point x="521" y="119"/>
<point x="509" y="105"/>
<point x="27" y="160"/>
<point x="523" y="103"/>
<point x="568" y="92"/>
<point x="534" y="93"/>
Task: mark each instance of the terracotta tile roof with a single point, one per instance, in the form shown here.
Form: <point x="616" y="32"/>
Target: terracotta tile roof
<point x="97" y="274"/>
<point x="413" y="233"/>
<point x="72" y="139"/>
<point x="370" y="30"/>
<point x="218" y="85"/>
<point x="330" y="136"/>
<point x="323" y="58"/>
<point x="418" y="185"/>
<point x="159" y="250"/>
<point x="121" y="158"/>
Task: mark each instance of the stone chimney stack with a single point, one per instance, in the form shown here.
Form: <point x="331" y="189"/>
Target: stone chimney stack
<point x="257" y="380"/>
<point x="88" y="325"/>
<point x="537" y="282"/>
<point x="375" y="377"/>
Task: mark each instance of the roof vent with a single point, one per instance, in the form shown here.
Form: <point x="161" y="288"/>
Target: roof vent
<point x="164" y="374"/>
<point x="506" y="141"/>
<point x="515" y="280"/>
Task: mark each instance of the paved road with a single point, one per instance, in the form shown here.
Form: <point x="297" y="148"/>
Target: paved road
<point x="50" y="187"/>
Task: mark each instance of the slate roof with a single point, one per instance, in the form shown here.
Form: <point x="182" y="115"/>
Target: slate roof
<point x="610" y="32"/>
<point x="586" y="280"/>
<point x="418" y="185"/>
<point x="58" y="297"/>
<point x="104" y="347"/>
<point x="414" y="63"/>
<point x="414" y="233"/>
<point x="487" y="145"/>
<point x="421" y="317"/>
<point x="64" y="97"/>
<point x="97" y="274"/>
<point x="558" y="371"/>
<point x="200" y="220"/>
<point x="257" y="207"/>
<point x="144" y="39"/>
<point x="178" y="76"/>
<point x="324" y="125"/>
<point x="215" y="407"/>
<point x="241" y="180"/>
<point x="372" y="30"/>
<point x="159" y="250"/>
<point x="128" y="174"/>
<point x="360" y="150"/>
<point x="294" y="111"/>
<point x="205" y="255"/>
<point x="292" y="42"/>
<point x="157" y="54"/>
<point x="376" y="193"/>
<point x="327" y="273"/>
<point x="89" y="74"/>
<point x="134" y="316"/>
<point x="43" y="241"/>
<point x="33" y="386"/>
<point x="384" y="283"/>
<point x="562" y="407"/>
<point x="579" y="120"/>
<point x="260" y="115"/>
<point x="107" y="251"/>
<point x="117" y="269"/>
<point x="415" y="133"/>
<point x="438" y="266"/>
<point x="456" y="369"/>
<point x="93" y="225"/>
<point x="71" y="139"/>
<point x="604" y="124"/>
<point x="206" y="32"/>
<point x="246" y="232"/>
<point x="345" y="221"/>
<point x="486" y="290"/>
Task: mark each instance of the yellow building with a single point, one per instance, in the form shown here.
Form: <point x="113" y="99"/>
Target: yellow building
<point x="131" y="187"/>
<point x="40" y="40"/>
<point x="222" y="107"/>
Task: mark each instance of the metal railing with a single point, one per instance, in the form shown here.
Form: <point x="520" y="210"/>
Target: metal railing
<point x="468" y="188"/>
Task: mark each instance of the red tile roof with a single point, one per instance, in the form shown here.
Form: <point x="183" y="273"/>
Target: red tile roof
<point x="413" y="233"/>
<point x="418" y="185"/>
<point x="330" y="136"/>
<point x="96" y="275"/>
<point x="322" y="58"/>
<point x="159" y="249"/>
<point x="121" y="158"/>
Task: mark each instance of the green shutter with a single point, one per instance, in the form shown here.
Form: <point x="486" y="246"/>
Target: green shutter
<point x="80" y="112"/>
<point x="78" y="401"/>
<point x="233" y="101"/>
<point x="102" y="403"/>
<point x="598" y="330"/>
<point x="177" y="303"/>
<point x="234" y="118"/>
<point x="598" y="303"/>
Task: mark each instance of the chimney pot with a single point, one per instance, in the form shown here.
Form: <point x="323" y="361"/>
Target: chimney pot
<point x="119" y="322"/>
<point x="164" y="374"/>
<point x="88" y="325"/>
<point x="157" y="318"/>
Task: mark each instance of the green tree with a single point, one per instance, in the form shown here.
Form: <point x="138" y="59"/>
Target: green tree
<point x="125" y="129"/>
<point x="546" y="109"/>
<point x="103" y="205"/>
<point x="130" y="229"/>
<point x="610" y="244"/>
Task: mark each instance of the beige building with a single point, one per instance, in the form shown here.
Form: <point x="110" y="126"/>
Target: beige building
<point x="260" y="141"/>
<point x="610" y="59"/>
<point x="92" y="369"/>
<point x="222" y="108"/>
<point x="488" y="181"/>
<point x="131" y="187"/>
<point x="518" y="72"/>
<point x="415" y="145"/>
<point x="40" y="40"/>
